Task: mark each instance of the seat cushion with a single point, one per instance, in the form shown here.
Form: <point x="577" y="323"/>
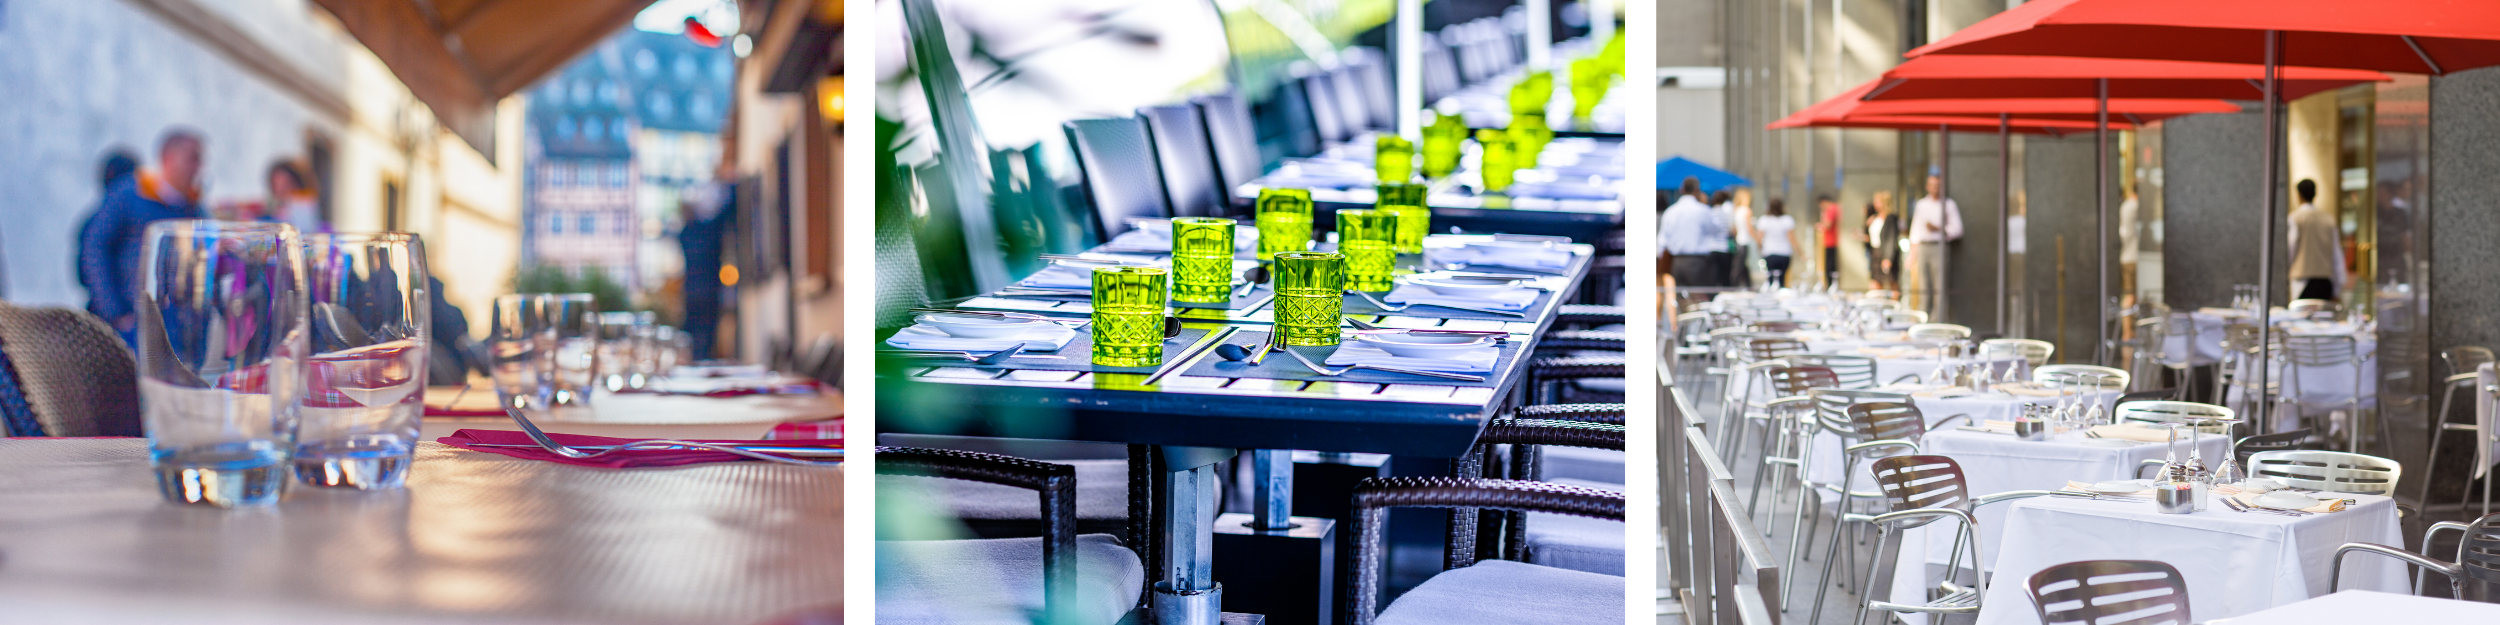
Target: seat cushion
<point x="1576" y="542"/>
<point x="1495" y="592"/>
<point x="999" y="580"/>
<point x="1581" y="463"/>
<point x="1003" y="511"/>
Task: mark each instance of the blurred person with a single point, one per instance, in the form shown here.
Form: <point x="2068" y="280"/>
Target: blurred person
<point x="112" y="245"/>
<point x="294" y="197"/>
<point x="1934" y="221"/>
<point x="708" y="219"/>
<point x="2317" y="247"/>
<point x="1829" y="232"/>
<point x="119" y="164"/>
<point x="1689" y="233"/>
<point x="1883" y="242"/>
<point x="1735" y="262"/>
<point x="1773" y="231"/>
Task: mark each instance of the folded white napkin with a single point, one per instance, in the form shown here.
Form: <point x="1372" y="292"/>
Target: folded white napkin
<point x="1553" y="259"/>
<point x="1513" y="300"/>
<point x="1478" y="360"/>
<point x="1047" y="337"/>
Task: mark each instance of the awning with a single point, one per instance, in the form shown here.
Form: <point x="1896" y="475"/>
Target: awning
<point x="461" y="56"/>
<point x="1982" y="76"/>
<point x="2414" y="36"/>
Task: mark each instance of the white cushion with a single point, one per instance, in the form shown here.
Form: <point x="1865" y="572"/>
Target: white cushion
<point x="1101" y="493"/>
<point x="1498" y="592"/>
<point x="1582" y="463"/>
<point x="999" y="581"/>
<point x="1576" y="542"/>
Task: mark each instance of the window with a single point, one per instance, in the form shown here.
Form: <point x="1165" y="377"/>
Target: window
<point x="659" y="105"/>
<point x="589" y="224"/>
<point x="616" y="176"/>
<point x="565" y="127"/>
<point x="619" y="127"/>
<point x="607" y="92"/>
<point x="555" y="223"/>
<point x="581" y="92"/>
<point x="684" y="68"/>
<point x="646" y="63"/>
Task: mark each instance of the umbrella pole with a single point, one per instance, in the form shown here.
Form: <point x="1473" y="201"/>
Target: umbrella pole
<point x="2005" y="224"/>
<point x="2100" y="222"/>
<point x="2265" y="246"/>
<point x="1944" y="193"/>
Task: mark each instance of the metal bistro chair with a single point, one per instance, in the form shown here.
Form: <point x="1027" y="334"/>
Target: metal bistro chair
<point x="1938" y="332"/>
<point x="1870" y="430"/>
<point x="1792" y="386"/>
<point x="2332" y="471"/>
<point x="2032" y="351"/>
<point x="1753" y="352"/>
<point x="2306" y="357"/>
<point x="2178" y="412"/>
<point x="2295" y="440"/>
<point x="2240" y="356"/>
<point x="2091" y="599"/>
<point x="2464" y="364"/>
<point x="1467" y="590"/>
<point x="2117" y="379"/>
<point x="1919" y="490"/>
<point x="1856" y="372"/>
<point x="2473" y="576"/>
<point x="1083" y="579"/>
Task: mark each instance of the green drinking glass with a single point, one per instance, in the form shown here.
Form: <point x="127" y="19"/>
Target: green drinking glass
<point x="1590" y="79"/>
<point x="1499" y="158"/>
<point x="1528" y="136"/>
<point x="1443" y="140"/>
<point x="1367" y="238"/>
<point x="1310" y="297"/>
<point x="1128" y="315"/>
<point x="1202" y="260"/>
<point x="1414" y="220"/>
<point x="1529" y="95"/>
<point x="1393" y="157"/>
<point x="1284" y="217"/>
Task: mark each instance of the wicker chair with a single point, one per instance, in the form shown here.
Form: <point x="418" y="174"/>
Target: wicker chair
<point x="76" y="376"/>
<point x="1500" y="590"/>
<point x="927" y="579"/>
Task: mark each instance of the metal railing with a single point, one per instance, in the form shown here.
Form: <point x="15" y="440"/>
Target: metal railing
<point x="1718" y="567"/>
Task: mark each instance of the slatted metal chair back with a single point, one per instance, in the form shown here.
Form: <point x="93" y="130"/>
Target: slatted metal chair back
<point x="2169" y="412"/>
<point x="1854" y="371"/>
<point x="1938" y="332"/>
<point x="2159" y="394"/>
<point x="2111" y="592"/>
<point x="2333" y="471"/>
<point x="1795" y="381"/>
<point x="2464" y="359"/>
<point x="1920" y="482"/>
<point x="2240" y="339"/>
<point x="1904" y="317"/>
<point x="1755" y="315"/>
<point x="1766" y="348"/>
<point x="2304" y="438"/>
<point x="2321" y="351"/>
<point x="1776" y="326"/>
<point x="2035" y="352"/>
<point x="1888" y="421"/>
<point x="2311" y="307"/>
<point x="1831" y="407"/>
<point x="2478" y="558"/>
<point x="2082" y="375"/>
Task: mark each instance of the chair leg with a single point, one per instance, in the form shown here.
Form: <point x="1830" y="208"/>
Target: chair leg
<point x="1753" y="503"/>
<point x="2439" y="430"/>
<point x="1831" y="549"/>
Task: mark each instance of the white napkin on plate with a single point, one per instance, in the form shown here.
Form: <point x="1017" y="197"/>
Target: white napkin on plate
<point x="1552" y="259"/>
<point x="921" y="337"/>
<point x="1478" y="360"/>
<point x="1513" y="300"/>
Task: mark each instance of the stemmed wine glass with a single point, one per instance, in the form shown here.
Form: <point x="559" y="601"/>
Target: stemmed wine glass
<point x="2100" y="381"/>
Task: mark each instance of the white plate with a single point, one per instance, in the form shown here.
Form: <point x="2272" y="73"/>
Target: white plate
<point x="1463" y="287"/>
<point x="2109" y="442"/>
<point x="2284" y="500"/>
<point x="2119" y="487"/>
<point x="1425" y="345"/>
<point x="1507" y="244"/>
<point x="979" y="326"/>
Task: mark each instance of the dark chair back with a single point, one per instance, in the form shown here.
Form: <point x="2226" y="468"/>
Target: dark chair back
<point x="1440" y="70"/>
<point x="2159" y="394"/>
<point x="2303" y="438"/>
<point x="1189" y="181"/>
<point x="70" y="374"/>
<point x="1120" y="172"/>
<point x="1351" y="109"/>
<point x="1327" y="116"/>
<point x="1055" y="482"/>
<point x="2079" y="592"/>
<point x="1374" y="496"/>
<point x="1290" y="106"/>
<point x="1232" y="137"/>
<point x="1371" y="78"/>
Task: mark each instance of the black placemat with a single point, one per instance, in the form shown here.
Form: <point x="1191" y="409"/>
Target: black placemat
<point x="1283" y="367"/>
<point x="1255" y="297"/>
<point x="1355" y="305"/>
<point x="1078" y="355"/>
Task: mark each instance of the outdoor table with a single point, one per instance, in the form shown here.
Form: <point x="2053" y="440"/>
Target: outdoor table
<point x="2364" y="606"/>
<point x="1454" y="206"/>
<point x="1981" y="408"/>
<point x="84" y="537"/>
<point x="2235" y="563"/>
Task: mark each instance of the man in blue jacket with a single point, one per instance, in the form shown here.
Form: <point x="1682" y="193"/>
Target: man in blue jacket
<point x="111" y="245"/>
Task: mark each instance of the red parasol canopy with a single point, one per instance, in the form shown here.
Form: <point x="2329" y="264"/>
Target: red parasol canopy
<point x="2030" y="115"/>
<point x="1981" y="76"/>
<point x="2413" y="36"/>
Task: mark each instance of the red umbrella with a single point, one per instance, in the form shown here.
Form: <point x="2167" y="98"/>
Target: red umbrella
<point x="1982" y="76"/>
<point x="2416" y="36"/>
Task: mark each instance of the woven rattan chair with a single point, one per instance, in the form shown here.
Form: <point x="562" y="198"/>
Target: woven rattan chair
<point x="2150" y="601"/>
<point x="1084" y="579"/>
<point x="77" y="377"/>
<point x="1467" y="590"/>
<point x="1553" y="542"/>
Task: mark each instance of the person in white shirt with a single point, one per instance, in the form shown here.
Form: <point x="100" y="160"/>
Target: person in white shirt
<point x="1688" y="232"/>
<point x="2317" y="247"/>
<point x="2127" y="240"/>
<point x="1934" y="221"/>
<point x="1773" y="230"/>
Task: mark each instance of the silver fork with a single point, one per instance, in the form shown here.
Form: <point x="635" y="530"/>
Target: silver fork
<point x="1306" y="362"/>
<point x="1387" y="307"/>
<point x="550" y="444"/>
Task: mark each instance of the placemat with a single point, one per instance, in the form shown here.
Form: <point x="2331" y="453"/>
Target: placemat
<point x="1283" y="367"/>
<point x="1077" y="356"/>
<point x="1255" y="297"/>
<point x="1355" y="305"/>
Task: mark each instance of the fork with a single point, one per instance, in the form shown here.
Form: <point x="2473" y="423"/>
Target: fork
<point x="1306" y="362"/>
<point x="550" y="444"/>
<point x="1387" y="307"/>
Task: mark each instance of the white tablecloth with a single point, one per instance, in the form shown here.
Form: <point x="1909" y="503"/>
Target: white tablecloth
<point x="1826" y="458"/>
<point x="2353" y="607"/>
<point x="2235" y="563"/>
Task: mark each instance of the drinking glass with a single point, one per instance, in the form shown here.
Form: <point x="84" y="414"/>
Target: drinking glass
<point x="1528" y="135"/>
<point x="1367" y="237"/>
<point x="520" y="338"/>
<point x="1393" y="158"/>
<point x="573" y="349"/>
<point x="1442" y="143"/>
<point x="1202" y="259"/>
<point x="1589" y="81"/>
<point x="1284" y="218"/>
<point x="617" y="351"/>
<point x="1310" y="297"/>
<point x="1128" y="315"/>
<point x="664" y="340"/>
<point x="371" y="333"/>
<point x="1414" y="220"/>
<point x="1531" y="93"/>
<point x="1500" y="160"/>
<point x="2095" y="416"/>
<point x="222" y="340"/>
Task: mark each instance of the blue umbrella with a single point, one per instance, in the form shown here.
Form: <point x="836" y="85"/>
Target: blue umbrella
<point x="1673" y="171"/>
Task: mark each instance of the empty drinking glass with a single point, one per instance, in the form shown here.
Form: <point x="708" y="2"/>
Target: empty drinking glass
<point x="222" y="341"/>
<point x="1202" y="259"/>
<point x="1128" y="304"/>
<point x="370" y="326"/>
<point x="1284" y="219"/>
<point x="1393" y="158"/>
<point x="617" y="351"/>
<point x="573" y="351"/>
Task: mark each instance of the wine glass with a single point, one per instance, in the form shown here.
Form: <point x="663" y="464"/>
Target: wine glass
<point x="2100" y="382"/>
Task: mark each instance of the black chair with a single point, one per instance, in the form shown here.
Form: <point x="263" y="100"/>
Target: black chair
<point x="1189" y="181"/>
<point x="1565" y="547"/>
<point x="1326" y="118"/>
<point x="1545" y="376"/>
<point x="1233" y="139"/>
<point x="2280" y="441"/>
<point x="1371" y="77"/>
<point x="1471" y="591"/>
<point x="1290" y="109"/>
<point x="1121" y="177"/>
<point x="2154" y="601"/>
<point x="927" y="580"/>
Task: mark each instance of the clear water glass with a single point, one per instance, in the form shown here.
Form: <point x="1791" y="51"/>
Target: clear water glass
<point x="365" y="383"/>
<point x="519" y="336"/>
<point x="573" y="348"/>
<point x="222" y="335"/>
<point x="646" y="350"/>
<point x="617" y="351"/>
<point x="1284" y="219"/>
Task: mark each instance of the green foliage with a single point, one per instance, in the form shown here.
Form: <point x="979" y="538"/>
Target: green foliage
<point x="607" y="294"/>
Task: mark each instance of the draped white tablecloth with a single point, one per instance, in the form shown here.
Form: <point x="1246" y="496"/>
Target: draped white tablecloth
<point x="2362" y="606"/>
<point x="2235" y="563"/>
<point x="1827" y="458"/>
